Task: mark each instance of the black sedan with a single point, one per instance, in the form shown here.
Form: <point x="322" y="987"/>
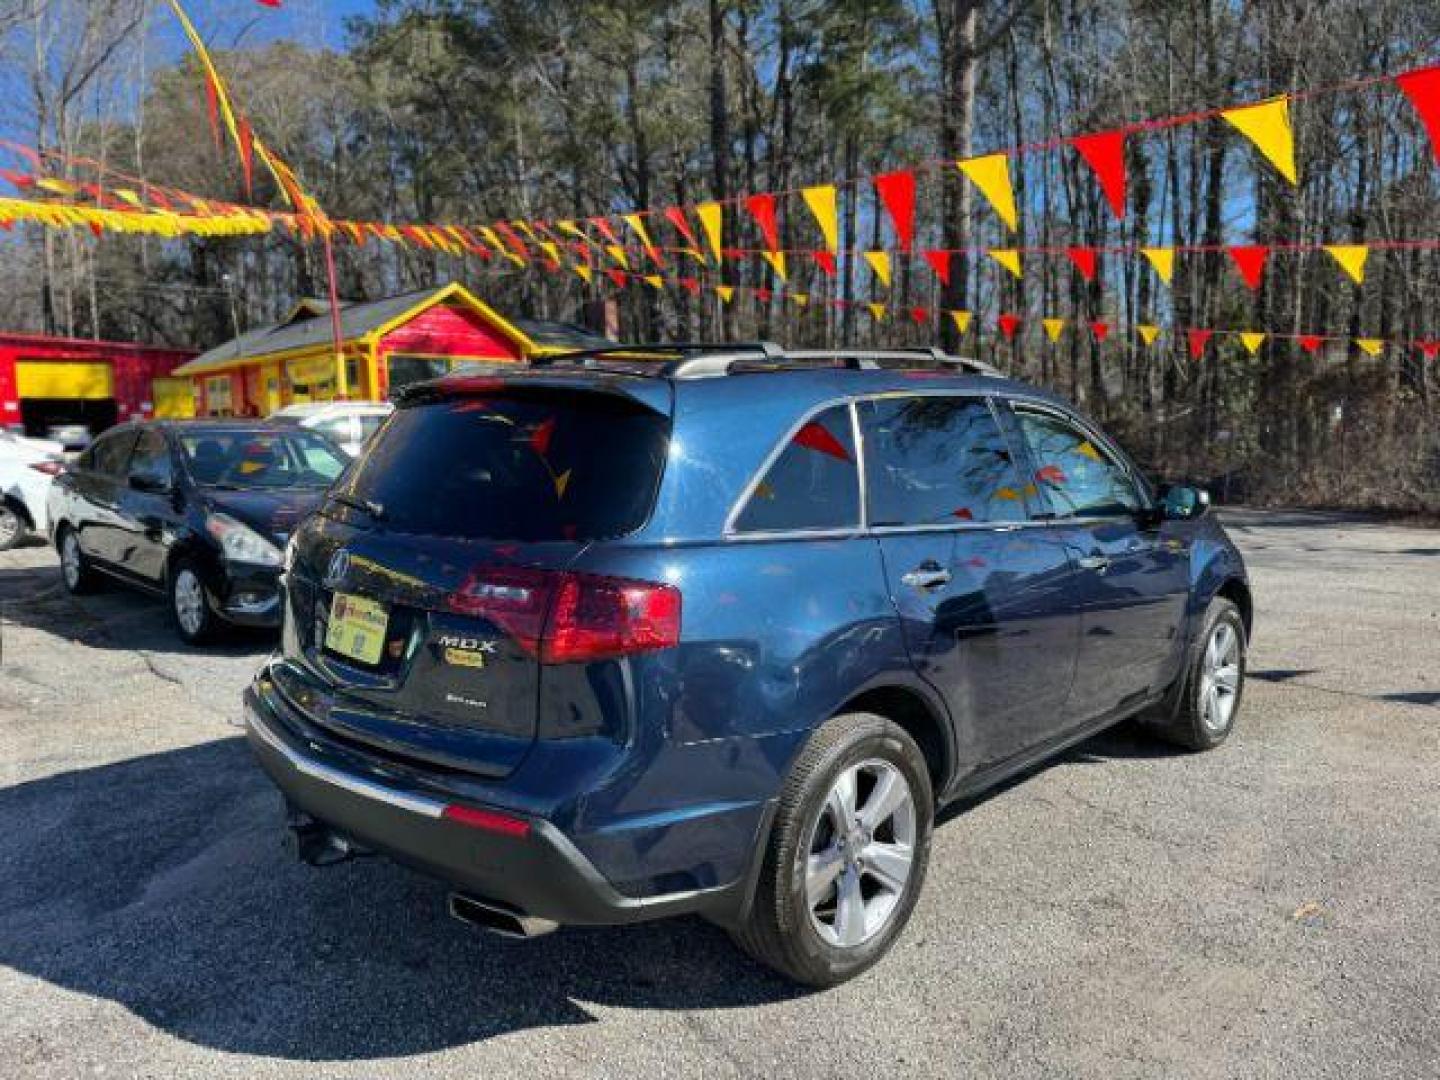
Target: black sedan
<point x="198" y="511"/>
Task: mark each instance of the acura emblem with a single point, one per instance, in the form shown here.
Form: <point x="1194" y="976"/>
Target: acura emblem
<point x="339" y="567"/>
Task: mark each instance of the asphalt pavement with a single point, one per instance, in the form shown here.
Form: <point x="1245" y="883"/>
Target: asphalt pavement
<point x="1267" y="910"/>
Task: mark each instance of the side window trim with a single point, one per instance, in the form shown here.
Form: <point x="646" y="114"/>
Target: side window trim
<point x="730" y="532"/>
<point x="1106" y="447"/>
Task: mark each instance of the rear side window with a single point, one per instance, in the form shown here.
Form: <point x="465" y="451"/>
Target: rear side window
<point x="152" y="457"/>
<point x="1077" y="477"/>
<point x="937" y="461"/>
<point x="813" y="484"/>
<point x="522" y="464"/>
<point x="109" y="455"/>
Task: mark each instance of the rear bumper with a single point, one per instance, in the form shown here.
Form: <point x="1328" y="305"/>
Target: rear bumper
<point x="541" y="873"/>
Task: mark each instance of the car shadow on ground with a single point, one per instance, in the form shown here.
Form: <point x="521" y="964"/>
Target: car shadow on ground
<point x="161" y="883"/>
<point x="113" y="617"/>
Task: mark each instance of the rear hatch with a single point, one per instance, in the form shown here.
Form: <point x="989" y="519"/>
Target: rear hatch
<point x="422" y="594"/>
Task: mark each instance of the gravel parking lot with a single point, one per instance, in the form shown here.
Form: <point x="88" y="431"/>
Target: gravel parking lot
<point x="1266" y="910"/>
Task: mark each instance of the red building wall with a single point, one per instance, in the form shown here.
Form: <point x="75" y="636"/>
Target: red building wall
<point x="134" y="367"/>
<point x="443" y="331"/>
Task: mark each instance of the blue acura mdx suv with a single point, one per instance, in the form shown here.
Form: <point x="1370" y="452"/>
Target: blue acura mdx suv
<point x="669" y="629"/>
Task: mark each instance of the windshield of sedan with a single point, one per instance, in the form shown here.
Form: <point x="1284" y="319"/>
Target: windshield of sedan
<point x="245" y="459"/>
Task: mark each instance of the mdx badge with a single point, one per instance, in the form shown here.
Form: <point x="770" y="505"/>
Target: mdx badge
<point x="465" y="651"/>
<point x="339" y="567"/>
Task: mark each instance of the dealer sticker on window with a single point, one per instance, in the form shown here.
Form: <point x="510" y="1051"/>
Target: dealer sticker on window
<point x="357" y="628"/>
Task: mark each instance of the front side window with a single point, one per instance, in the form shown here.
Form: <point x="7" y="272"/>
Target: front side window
<point x="813" y="484"/>
<point x="937" y="461"/>
<point x="1077" y="477"/>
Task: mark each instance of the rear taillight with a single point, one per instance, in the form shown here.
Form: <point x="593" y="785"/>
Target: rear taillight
<point x="49" y="468"/>
<point x="562" y="617"/>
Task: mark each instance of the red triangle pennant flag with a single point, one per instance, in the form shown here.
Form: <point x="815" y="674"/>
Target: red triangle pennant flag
<point x="762" y="208"/>
<point x="920" y="315"/>
<point x="1429" y="349"/>
<point x="1311" y="343"/>
<point x="604" y="228"/>
<point x="939" y="261"/>
<point x="1008" y="325"/>
<point x="1422" y="88"/>
<point x="1101" y="331"/>
<point x="897" y="192"/>
<point x="690" y="285"/>
<point x="1085" y="261"/>
<point x="1105" y="154"/>
<point x="1250" y="261"/>
<point x="762" y="296"/>
<point x="676" y="217"/>
<point x="826" y="261"/>
<point x="619" y="277"/>
<point x="1198" y="340"/>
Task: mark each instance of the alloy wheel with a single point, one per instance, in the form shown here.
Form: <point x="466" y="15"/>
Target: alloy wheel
<point x="1220" y="678"/>
<point x="70" y="560"/>
<point x="189" y="602"/>
<point x="860" y="855"/>
<point x="9" y="527"/>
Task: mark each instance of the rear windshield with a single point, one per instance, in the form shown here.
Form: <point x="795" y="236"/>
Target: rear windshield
<point x="515" y="465"/>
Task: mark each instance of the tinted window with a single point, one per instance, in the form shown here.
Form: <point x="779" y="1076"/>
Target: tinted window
<point x="937" y="461"/>
<point x="517" y="465"/>
<point x="1072" y="472"/>
<point x="246" y="458"/>
<point x="111" y="452"/>
<point x="151" y="457"/>
<point x="340" y="428"/>
<point x="405" y="370"/>
<point x="813" y="484"/>
<point x="369" y="424"/>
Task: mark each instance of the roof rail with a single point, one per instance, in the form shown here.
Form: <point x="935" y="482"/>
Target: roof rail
<point x="699" y="360"/>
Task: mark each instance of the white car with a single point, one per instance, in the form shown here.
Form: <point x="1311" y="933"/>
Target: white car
<point x="27" y="469"/>
<point x="348" y="424"/>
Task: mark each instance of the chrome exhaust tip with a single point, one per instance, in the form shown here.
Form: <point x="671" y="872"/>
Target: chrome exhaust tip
<point x="497" y="918"/>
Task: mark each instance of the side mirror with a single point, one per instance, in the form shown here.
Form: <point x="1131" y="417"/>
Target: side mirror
<point x="1181" y="503"/>
<point x="151" y="483"/>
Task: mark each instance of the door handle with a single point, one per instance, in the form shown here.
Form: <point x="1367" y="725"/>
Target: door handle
<point x="1097" y="562"/>
<point x="927" y="576"/>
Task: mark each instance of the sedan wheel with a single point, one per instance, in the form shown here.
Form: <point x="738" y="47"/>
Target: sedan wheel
<point x="12" y="528"/>
<point x="74" y="568"/>
<point x="189" y="596"/>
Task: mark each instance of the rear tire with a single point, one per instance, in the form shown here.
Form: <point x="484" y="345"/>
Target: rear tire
<point x="76" y="572"/>
<point x="831" y="901"/>
<point x="1214" y="682"/>
<point x="13" y="527"/>
<point x="195" y="621"/>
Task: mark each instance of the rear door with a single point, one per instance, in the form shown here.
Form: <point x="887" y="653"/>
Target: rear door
<point x="982" y="595"/>
<point x="1132" y="581"/>
<point x="421" y="592"/>
<point x="98" y="482"/>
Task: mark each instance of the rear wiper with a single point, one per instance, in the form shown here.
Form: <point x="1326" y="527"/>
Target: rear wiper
<point x="368" y="506"/>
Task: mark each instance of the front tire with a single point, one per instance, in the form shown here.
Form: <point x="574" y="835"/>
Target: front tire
<point x="1214" y="681"/>
<point x="847" y="854"/>
<point x="195" y="621"/>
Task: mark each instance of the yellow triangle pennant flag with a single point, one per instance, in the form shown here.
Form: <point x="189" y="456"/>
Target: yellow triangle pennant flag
<point x="1352" y="258"/>
<point x="562" y="482"/>
<point x="1053" y="328"/>
<point x="726" y="293"/>
<point x="129" y="196"/>
<point x="1252" y="340"/>
<point x="800" y="299"/>
<point x="618" y="254"/>
<point x="571" y="229"/>
<point x="551" y="250"/>
<point x="637" y="226"/>
<point x="1267" y="125"/>
<point x="821" y="201"/>
<point x="962" y="321"/>
<point x="654" y="281"/>
<point x="586" y="274"/>
<point x="877" y="311"/>
<point x="712" y="216"/>
<point x="1163" y="260"/>
<point x="1370" y="346"/>
<point x="1009" y="258"/>
<point x="991" y="174"/>
<point x="880" y="263"/>
<point x="1148" y="333"/>
<point x="776" y="259"/>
